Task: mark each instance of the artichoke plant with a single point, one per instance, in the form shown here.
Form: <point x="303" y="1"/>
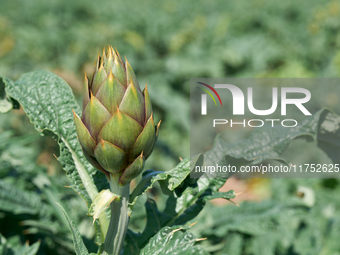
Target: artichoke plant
<point x="116" y="129"/>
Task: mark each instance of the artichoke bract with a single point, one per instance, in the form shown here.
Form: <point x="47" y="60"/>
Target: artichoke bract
<point x="116" y="130"/>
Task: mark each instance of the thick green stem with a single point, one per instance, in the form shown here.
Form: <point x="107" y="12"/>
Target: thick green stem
<point x="119" y="219"/>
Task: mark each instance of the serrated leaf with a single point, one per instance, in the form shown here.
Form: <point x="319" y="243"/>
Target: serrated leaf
<point x="149" y="177"/>
<point x="226" y="195"/>
<point x="175" y="241"/>
<point x="5" y="104"/>
<point x="79" y="246"/>
<point x="155" y="220"/>
<point x="42" y="224"/>
<point x="48" y="101"/>
<point x="252" y="218"/>
<point x="7" y="248"/>
<point x="187" y="198"/>
<point x="19" y="201"/>
<point x="28" y="250"/>
<point x="329" y="134"/>
<point x="172" y="178"/>
<point x="177" y="211"/>
<point x="186" y="207"/>
<point x="264" y="244"/>
<point x="234" y="245"/>
<point x="269" y="143"/>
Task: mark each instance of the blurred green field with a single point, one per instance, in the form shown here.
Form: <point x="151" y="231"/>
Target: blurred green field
<point x="167" y="43"/>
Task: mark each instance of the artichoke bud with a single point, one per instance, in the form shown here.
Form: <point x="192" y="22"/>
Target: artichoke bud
<point x="116" y="130"/>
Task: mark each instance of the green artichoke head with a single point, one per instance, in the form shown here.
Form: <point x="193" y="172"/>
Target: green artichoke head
<point x="116" y="130"/>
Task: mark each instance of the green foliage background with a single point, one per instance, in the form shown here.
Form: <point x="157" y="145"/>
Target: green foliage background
<point x="166" y="43"/>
